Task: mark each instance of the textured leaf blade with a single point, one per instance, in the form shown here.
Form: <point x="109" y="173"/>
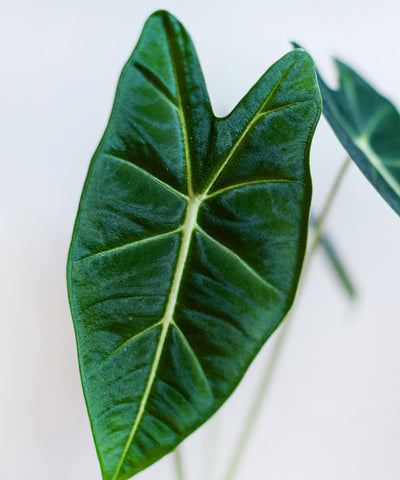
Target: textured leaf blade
<point x="368" y="126"/>
<point x="188" y="243"/>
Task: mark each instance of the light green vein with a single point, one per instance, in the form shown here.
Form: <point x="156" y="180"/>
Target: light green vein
<point x="349" y="89"/>
<point x="250" y="125"/>
<point x="181" y="115"/>
<point x="147" y="174"/>
<point x="157" y="83"/>
<point x="252" y="183"/>
<point x="393" y="162"/>
<point x="131" y="339"/>
<point x="363" y="144"/>
<point x="194" y="355"/>
<point x="278" y="109"/>
<point x="375" y="120"/>
<point x="132" y="244"/>
<point x="234" y="255"/>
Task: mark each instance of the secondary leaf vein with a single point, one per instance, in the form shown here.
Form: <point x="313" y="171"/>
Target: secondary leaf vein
<point x="252" y="183"/>
<point x="233" y="254"/>
<point x="131" y="339"/>
<point x="194" y="355"/>
<point x="157" y="83"/>
<point x="131" y="244"/>
<point x="145" y="172"/>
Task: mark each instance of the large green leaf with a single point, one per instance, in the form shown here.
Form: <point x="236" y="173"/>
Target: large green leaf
<point x="188" y="243"/>
<point x="368" y="126"/>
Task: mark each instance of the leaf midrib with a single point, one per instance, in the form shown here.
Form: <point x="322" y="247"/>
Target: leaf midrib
<point x="167" y="320"/>
<point x="181" y="114"/>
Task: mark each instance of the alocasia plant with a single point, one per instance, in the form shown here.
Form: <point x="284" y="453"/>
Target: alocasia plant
<point x="188" y="243"/>
<point x="368" y="126"/>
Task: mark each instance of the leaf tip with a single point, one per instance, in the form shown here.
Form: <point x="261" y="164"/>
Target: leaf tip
<point x="298" y="50"/>
<point x="296" y="45"/>
<point x="162" y="16"/>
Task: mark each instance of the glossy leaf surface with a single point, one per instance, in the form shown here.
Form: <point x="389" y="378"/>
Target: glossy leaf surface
<point x="188" y="243"/>
<point x="368" y="126"/>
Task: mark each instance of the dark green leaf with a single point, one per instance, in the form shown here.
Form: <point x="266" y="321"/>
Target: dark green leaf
<point x="368" y="126"/>
<point x="188" y="243"/>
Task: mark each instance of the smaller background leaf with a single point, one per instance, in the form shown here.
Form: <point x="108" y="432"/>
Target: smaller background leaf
<point x="368" y="126"/>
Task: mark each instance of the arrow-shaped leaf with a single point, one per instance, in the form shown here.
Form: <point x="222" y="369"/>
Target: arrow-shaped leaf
<point x="188" y="243"/>
<point x="368" y="126"/>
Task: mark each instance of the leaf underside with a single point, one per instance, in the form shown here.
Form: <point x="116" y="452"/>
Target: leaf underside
<point x="368" y="126"/>
<point x="188" y="243"/>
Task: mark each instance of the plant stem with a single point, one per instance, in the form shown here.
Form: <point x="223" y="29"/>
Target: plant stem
<point x="178" y="465"/>
<point x="211" y="450"/>
<point x="339" y="268"/>
<point x="257" y="403"/>
<point x="282" y="335"/>
<point x="320" y="223"/>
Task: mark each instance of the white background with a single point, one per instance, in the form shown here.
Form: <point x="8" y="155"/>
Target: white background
<point x="333" y="410"/>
